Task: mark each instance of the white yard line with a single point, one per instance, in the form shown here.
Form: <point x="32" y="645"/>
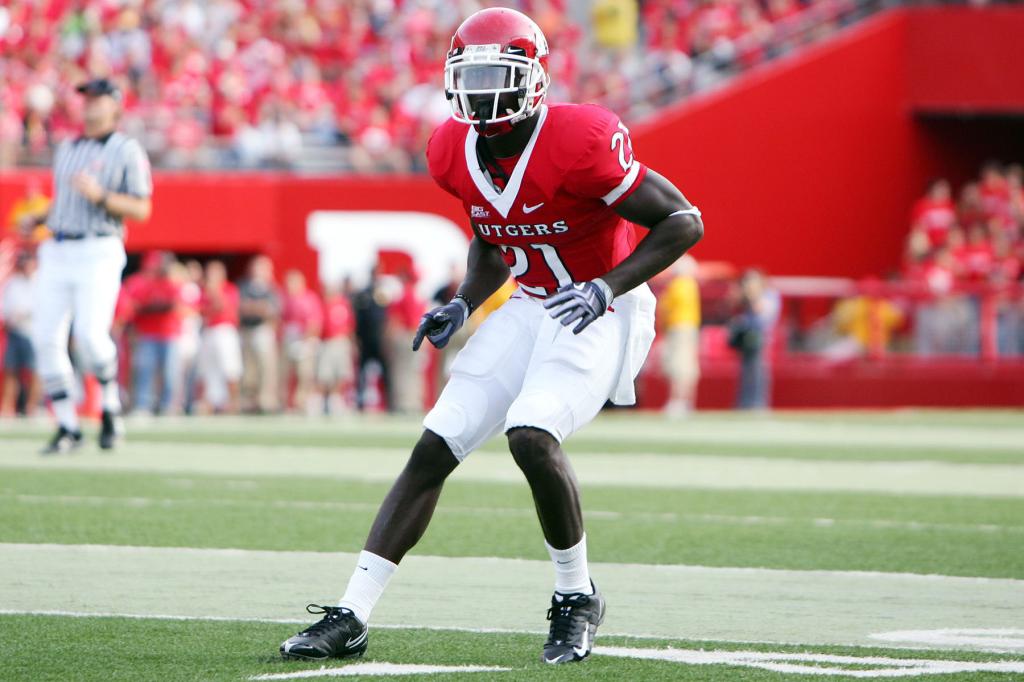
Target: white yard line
<point x="380" y="670"/>
<point x="862" y="667"/>
<point x="675" y="602"/>
<point x="636" y="470"/>
<point x="136" y="502"/>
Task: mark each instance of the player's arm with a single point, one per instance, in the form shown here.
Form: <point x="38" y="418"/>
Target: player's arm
<point x="674" y="228"/>
<point x="486" y="271"/>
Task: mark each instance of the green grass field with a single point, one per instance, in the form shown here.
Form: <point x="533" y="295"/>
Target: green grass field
<point x="836" y="545"/>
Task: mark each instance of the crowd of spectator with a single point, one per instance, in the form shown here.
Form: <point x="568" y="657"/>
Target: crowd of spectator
<point x="267" y="83"/>
<point x="956" y="244"/>
<point x="961" y="277"/>
<point x="192" y="341"/>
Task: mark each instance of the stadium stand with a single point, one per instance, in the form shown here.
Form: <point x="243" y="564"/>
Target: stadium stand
<point x="328" y="85"/>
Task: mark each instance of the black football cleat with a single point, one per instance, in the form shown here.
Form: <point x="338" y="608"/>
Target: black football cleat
<point x="339" y="634"/>
<point x="574" y="620"/>
<point x="63" y="441"/>
<point x="111" y="430"/>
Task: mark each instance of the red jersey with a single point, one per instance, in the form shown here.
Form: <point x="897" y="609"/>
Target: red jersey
<point x="220" y="308"/>
<point x="554" y="220"/>
<point x="976" y="261"/>
<point x="143" y="291"/>
<point x="936" y="217"/>
<point x="338" y="317"/>
<point x="300" y="313"/>
<point x="407" y="309"/>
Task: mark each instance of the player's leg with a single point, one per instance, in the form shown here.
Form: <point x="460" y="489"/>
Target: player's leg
<point x="486" y="376"/>
<point x="569" y="379"/>
<point x="51" y="324"/>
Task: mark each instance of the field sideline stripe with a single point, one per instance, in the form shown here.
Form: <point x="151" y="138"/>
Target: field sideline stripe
<point x="886" y="429"/>
<point x="236" y="552"/>
<point x="666" y="517"/>
<point x="707" y="472"/>
<point x="433" y="628"/>
<point x="672" y="602"/>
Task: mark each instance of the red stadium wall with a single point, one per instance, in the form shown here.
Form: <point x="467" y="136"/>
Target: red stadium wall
<point x="966" y="59"/>
<point x="806" y="166"/>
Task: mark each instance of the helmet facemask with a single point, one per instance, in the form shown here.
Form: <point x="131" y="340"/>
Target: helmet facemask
<point x="486" y="86"/>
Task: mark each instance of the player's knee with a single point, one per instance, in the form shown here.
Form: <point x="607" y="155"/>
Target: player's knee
<point x="432" y="460"/>
<point x="532" y="449"/>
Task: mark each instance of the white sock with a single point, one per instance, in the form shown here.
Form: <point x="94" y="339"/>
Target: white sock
<point x="571" y="572"/>
<point x="367" y="584"/>
<point x="64" y="410"/>
<point x="110" y="396"/>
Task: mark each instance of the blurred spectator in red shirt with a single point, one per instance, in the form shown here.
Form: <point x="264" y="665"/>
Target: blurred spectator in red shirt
<point x="995" y="192"/>
<point x="969" y="208"/>
<point x="301" y="323"/>
<point x="220" y="350"/>
<point x="154" y="300"/>
<point x="975" y="258"/>
<point x="935" y="213"/>
<point x="336" y="362"/>
<point x="1007" y="263"/>
<point x="404" y="315"/>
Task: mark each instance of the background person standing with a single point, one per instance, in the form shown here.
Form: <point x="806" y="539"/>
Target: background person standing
<point x="679" y="311"/>
<point x="21" y="386"/>
<point x="99" y="179"/>
<point x="155" y="299"/>
<point x="259" y="308"/>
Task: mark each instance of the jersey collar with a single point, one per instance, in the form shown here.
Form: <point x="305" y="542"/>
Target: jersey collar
<point x="502" y="201"/>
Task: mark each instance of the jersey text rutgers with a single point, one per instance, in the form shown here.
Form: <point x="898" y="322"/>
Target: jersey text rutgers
<point x="553" y="219"/>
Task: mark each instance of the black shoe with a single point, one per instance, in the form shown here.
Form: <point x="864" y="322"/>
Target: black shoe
<point x="574" y="620"/>
<point x="339" y="634"/>
<point x="111" y="430"/>
<point x="63" y="441"/>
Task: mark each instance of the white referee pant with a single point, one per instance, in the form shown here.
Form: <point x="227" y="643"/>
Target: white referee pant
<point x="77" y="280"/>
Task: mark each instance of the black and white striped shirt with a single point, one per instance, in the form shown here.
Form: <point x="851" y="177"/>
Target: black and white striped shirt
<point x="118" y="163"/>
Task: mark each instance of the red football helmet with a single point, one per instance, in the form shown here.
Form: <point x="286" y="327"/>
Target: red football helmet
<point x="498" y="58"/>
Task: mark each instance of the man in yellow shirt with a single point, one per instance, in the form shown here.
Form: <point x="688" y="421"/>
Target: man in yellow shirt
<point x="26" y="209"/>
<point x="679" y="311"/>
<point x="865" y="324"/>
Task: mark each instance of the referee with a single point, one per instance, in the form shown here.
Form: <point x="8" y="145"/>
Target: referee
<point x="99" y="179"/>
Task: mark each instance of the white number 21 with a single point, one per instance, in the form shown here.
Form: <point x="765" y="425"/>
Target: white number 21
<point x="621" y="140"/>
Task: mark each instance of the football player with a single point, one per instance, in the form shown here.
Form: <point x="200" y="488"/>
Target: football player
<point x="552" y="192"/>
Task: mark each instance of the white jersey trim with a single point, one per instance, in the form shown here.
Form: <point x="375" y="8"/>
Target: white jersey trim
<point x="626" y="183"/>
<point x="502" y="201"/>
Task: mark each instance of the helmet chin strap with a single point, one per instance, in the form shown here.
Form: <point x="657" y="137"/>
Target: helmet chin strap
<point x="482" y="112"/>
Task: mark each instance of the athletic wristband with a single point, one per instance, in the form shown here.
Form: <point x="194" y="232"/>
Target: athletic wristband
<point x="605" y="289"/>
<point x="465" y="301"/>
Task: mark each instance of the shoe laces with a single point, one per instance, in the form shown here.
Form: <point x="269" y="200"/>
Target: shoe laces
<point x="561" y="614"/>
<point x="332" y="617"/>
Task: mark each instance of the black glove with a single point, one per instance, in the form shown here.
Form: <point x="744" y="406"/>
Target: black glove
<point x="580" y="302"/>
<point x="440" y="324"/>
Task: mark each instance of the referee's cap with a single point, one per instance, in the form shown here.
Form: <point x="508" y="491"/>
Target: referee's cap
<point x="100" y="86"/>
